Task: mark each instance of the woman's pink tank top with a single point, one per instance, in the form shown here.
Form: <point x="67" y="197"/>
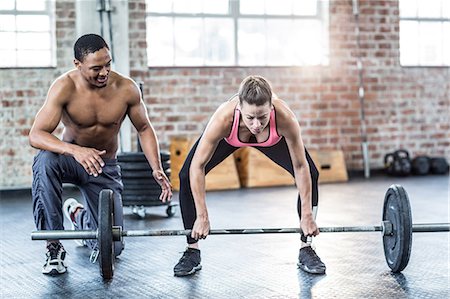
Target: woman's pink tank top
<point x="233" y="139"/>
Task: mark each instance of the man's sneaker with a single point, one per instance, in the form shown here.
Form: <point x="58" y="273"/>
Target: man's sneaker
<point x="309" y="262"/>
<point x="189" y="263"/>
<point x="55" y="259"/>
<point x="70" y="206"/>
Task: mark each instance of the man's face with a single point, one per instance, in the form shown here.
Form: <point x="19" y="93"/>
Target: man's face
<point x="256" y="118"/>
<point x="95" y="67"/>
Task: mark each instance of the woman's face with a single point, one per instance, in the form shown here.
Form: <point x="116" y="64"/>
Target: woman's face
<point x="255" y="118"/>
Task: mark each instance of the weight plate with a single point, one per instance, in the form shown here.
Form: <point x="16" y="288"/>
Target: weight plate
<point x="142" y="192"/>
<point x="105" y="237"/>
<point x="124" y="166"/>
<point x="140" y="157"/>
<point x="397" y="210"/>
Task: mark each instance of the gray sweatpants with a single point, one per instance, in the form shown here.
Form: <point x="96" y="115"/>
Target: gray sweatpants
<point x="51" y="170"/>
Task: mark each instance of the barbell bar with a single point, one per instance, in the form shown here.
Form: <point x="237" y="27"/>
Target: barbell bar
<point x="396" y="228"/>
<point x="92" y="234"/>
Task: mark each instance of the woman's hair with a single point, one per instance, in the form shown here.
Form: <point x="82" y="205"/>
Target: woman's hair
<point x="255" y="90"/>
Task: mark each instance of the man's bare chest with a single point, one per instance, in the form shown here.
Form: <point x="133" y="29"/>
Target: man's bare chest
<point x="85" y="113"/>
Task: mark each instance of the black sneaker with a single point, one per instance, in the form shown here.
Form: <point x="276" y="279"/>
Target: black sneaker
<point x="55" y="259"/>
<point x="309" y="262"/>
<point x="189" y="263"/>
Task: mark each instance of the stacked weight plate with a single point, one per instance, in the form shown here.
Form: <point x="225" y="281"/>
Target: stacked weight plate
<point x="140" y="188"/>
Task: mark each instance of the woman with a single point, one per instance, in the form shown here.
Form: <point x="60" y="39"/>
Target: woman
<point x="256" y="118"/>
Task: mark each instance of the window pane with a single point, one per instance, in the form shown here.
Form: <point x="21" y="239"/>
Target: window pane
<point x="279" y="48"/>
<point x="34" y="58"/>
<point x="219" y="41"/>
<point x="183" y="6"/>
<point x="305" y="8"/>
<point x="6" y="4"/>
<point x="251" y="7"/>
<point x="33" y="23"/>
<point x="430" y="50"/>
<point x="446" y="41"/>
<point x="409" y="43"/>
<point x="307" y="42"/>
<point x="8" y="58"/>
<point x="7" y="23"/>
<point x="8" y="41"/>
<point x="252" y="42"/>
<point x="278" y="7"/>
<point x="160" y="6"/>
<point x="215" y="6"/>
<point x="33" y="41"/>
<point x="408" y="8"/>
<point x="446" y="9"/>
<point x="188" y="41"/>
<point x="160" y="41"/>
<point x="429" y="8"/>
<point x="31" y="4"/>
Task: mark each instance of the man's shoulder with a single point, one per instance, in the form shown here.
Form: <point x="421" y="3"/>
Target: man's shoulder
<point x="65" y="82"/>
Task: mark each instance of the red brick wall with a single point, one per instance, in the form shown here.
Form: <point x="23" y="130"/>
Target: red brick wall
<point x="405" y="107"/>
<point x="22" y="93"/>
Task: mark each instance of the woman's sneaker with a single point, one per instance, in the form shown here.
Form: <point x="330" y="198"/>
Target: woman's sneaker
<point x="310" y="262"/>
<point x="189" y="263"/>
<point x="55" y="259"/>
<point x="70" y="207"/>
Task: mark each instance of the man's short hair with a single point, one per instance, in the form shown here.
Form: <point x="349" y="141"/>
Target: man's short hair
<point x="88" y="43"/>
<point x="255" y="90"/>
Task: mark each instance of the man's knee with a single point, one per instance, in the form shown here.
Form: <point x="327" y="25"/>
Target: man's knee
<point x="46" y="159"/>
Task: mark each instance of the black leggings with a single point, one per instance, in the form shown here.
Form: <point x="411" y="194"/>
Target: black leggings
<point x="278" y="153"/>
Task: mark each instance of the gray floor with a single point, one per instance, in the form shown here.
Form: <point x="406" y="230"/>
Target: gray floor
<point x="250" y="266"/>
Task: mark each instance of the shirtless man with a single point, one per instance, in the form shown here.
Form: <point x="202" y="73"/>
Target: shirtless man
<point x="91" y="101"/>
<point x="254" y="117"/>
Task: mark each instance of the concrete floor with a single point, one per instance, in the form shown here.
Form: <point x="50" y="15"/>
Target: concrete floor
<point x="245" y="266"/>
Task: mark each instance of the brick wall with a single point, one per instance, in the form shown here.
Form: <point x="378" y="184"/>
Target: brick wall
<point x="405" y="107"/>
<point x="22" y="93"/>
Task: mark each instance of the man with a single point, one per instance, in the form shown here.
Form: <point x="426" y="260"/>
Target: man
<point x="254" y="117"/>
<point x="91" y="101"/>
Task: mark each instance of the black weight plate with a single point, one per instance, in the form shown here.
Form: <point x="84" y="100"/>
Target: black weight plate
<point x="137" y="174"/>
<point x="151" y="186"/>
<point x="105" y="237"/>
<point x="140" y="198"/>
<point x="143" y="192"/>
<point x="138" y="182"/>
<point x="397" y="210"/>
<point x="140" y="157"/>
<point x="143" y="174"/>
<point x="135" y="166"/>
<point x="124" y="166"/>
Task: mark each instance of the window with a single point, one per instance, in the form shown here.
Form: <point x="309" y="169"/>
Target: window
<point x="237" y="32"/>
<point x="425" y="32"/>
<point x="27" y="33"/>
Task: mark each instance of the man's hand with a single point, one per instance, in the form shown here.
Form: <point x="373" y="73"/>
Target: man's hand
<point x="309" y="226"/>
<point x="166" y="187"/>
<point x="201" y="228"/>
<point x="90" y="159"/>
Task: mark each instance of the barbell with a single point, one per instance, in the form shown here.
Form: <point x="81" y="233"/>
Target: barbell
<point x="396" y="229"/>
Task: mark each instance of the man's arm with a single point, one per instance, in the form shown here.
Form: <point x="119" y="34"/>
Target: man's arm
<point x="149" y="142"/>
<point x="46" y="121"/>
